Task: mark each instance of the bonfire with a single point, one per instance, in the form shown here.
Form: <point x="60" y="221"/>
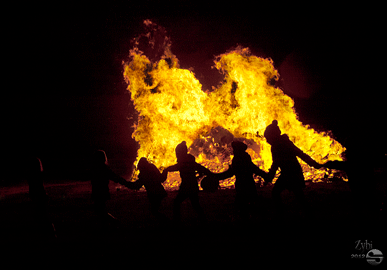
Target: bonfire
<point x="172" y="107"/>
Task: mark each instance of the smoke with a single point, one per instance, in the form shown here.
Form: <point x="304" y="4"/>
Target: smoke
<point x="154" y="43"/>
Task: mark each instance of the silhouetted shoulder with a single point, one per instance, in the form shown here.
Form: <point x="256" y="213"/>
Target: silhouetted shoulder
<point x="190" y="158"/>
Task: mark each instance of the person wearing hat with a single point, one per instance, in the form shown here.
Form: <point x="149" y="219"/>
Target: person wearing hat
<point x="100" y="174"/>
<point x="190" y="172"/>
<point x="284" y="155"/>
<point x="151" y="178"/>
<point x="243" y="168"/>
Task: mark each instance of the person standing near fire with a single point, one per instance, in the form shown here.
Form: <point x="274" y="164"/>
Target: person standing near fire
<point x="243" y="168"/>
<point x="39" y="199"/>
<point x="190" y="172"/>
<point x="361" y="178"/>
<point x="284" y="155"/>
<point x="151" y="178"/>
<point x="101" y="174"/>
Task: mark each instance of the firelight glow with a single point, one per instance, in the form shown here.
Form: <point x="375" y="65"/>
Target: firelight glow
<point x="173" y="108"/>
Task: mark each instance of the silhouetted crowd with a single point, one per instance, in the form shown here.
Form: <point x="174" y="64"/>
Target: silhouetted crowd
<point x="284" y="155"/>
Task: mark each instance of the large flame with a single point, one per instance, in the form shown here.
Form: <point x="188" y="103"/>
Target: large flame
<point x="173" y="108"/>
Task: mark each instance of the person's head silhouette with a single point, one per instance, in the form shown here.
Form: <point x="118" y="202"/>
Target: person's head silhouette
<point x="142" y="164"/>
<point x="272" y="132"/>
<point x="99" y="157"/>
<point x="238" y="147"/>
<point x="181" y="151"/>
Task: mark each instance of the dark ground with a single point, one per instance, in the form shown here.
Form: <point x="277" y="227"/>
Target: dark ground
<point x="328" y="236"/>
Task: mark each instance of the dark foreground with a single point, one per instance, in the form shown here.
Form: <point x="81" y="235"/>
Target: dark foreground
<point x="330" y="236"/>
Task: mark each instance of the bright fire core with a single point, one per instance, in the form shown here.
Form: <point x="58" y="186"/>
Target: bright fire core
<point x="173" y="108"/>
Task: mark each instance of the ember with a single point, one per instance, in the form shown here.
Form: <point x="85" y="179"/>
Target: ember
<point x="173" y="108"/>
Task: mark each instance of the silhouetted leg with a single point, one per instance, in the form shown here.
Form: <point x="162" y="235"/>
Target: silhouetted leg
<point x="194" y="198"/>
<point x="44" y="226"/>
<point x="276" y="195"/>
<point x="360" y="207"/>
<point x="242" y="205"/>
<point x="176" y="206"/>
<point x="300" y="196"/>
<point x="101" y="211"/>
<point x="100" y="208"/>
<point x="253" y="206"/>
<point x="155" y="203"/>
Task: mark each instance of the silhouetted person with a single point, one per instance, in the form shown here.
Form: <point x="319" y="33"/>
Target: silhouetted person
<point x="39" y="198"/>
<point x="100" y="175"/>
<point x="37" y="193"/>
<point x="284" y="155"/>
<point x="358" y="165"/>
<point x="243" y="168"/>
<point x="151" y="178"/>
<point x="190" y="172"/>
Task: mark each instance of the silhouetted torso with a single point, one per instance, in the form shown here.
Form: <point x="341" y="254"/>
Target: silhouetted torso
<point x="359" y="169"/>
<point x="189" y="173"/>
<point x="284" y="154"/>
<point x="243" y="169"/>
<point x="42" y="225"/>
<point x="100" y="176"/>
<point x="35" y="175"/>
<point x="151" y="178"/>
<point x="37" y="192"/>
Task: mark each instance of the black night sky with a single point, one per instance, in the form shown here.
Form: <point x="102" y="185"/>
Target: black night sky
<point x="76" y="98"/>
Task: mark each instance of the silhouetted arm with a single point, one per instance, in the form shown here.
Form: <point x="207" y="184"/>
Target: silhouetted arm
<point x="273" y="169"/>
<point x="116" y="178"/>
<point x="172" y="168"/>
<point x="135" y="185"/>
<point x="307" y="159"/>
<point x="337" y="165"/>
<point x="257" y="171"/>
<point x="224" y="175"/>
<point x="276" y="154"/>
<point x="202" y="170"/>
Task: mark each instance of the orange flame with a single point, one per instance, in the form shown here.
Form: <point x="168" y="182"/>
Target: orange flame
<point x="172" y="107"/>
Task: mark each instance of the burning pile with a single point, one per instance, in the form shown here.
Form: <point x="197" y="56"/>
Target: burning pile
<point x="173" y="108"/>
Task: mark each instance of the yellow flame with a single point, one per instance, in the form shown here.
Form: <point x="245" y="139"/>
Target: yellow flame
<point x="172" y="107"/>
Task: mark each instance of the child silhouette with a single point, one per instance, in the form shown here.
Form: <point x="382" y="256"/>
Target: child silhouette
<point x="190" y="172"/>
<point x="100" y="175"/>
<point x="151" y="178"/>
